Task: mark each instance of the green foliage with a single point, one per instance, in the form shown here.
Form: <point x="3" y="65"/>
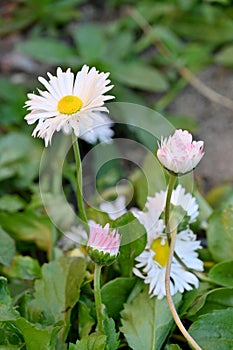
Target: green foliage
<point x="51" y="51"/>
<point x="93" y="342"/>
<point x="147" y="321"/>
<point x="115" y="294"/>
<point x="220" y="298"/>
<point x="7" y="248"/>
<point x="23" y="267"/>
<point x="214" y="330"/>
<point x="222" y="273"/>
<point x="20" y="157"/>
<point x="86" y="321"/>
<point x="220" y="231"/>
<point x="29" y="227"/>
<point x="225" y="56"/>
<point x="54" y="297"/>
<point x="112" y="336"/>
<point x="36" y="338"/>
<point x="133" y="241"/>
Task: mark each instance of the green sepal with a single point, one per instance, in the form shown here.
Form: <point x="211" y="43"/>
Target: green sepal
<point x="101" y="258"/>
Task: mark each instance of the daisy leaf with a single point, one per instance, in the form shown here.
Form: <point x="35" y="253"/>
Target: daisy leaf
<point x="54" y="297"/>
<point x="146" y="321"/>
<point x="214" y="330"/>
<point x="220" y="234"/>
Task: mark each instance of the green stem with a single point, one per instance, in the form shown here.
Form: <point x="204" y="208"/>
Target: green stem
<point x="172" y="179"/>
<point x="98" y="302"/>
<point x="172" y="308"/>
<point x="79" y="185"/>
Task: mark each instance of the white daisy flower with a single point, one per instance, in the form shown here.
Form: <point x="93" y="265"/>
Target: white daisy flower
<point x="69" y="103"/>
<point x="151" y="263"/>
<point x="115" y="208"/>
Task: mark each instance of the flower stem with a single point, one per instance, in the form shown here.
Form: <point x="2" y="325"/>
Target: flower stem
<point x="79" y="191"/>
<point x="97" y="293"/>
<point x="172" y="179"/>
<point x="171" y="305"/>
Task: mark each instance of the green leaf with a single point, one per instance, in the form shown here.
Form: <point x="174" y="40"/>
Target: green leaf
<point x="23" y="267"/>
<point x="186" y="122"/>
<point x="220" y="234"/>
<point x="220" y="298"/>
<point x="192" y="297"/>
<point x="11" y="203"/>
<point x="222" y="273"/>
<point x="6" y="89"/>
<point x="86" y="321"/>
<point x="214" y="330"/>
<point x="172" y="347"/>
<point x="146" y="322"/>
<point x="7" y="311"/>
<point x="115" y="293"/>
<point x="141" y="76"/>
<point x="94" y="341"/>
<point x="161" y="33"/>
<point x="133" y="241"/>
<point x="57" y="291"/>
<point x="35" y="337"/>
<point x="30" y="227"/>
<point x="225" y="56"/>
<point x="221" y="196"/>
<point x="47" y="50"/>
<point x="20" y="157"/>
<point x="192" y="26"/>
<point x="91" y="41"/>
<point x="112" y="336"/>
<point x="7" y="248"/>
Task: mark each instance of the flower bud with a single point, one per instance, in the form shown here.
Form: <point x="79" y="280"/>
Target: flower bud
<point x="103" y="244"/>
<point x="179" y="153"/>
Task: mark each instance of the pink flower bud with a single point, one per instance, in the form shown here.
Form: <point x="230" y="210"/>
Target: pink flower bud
<point x="103" y="244"/>
<point x="178" y="153"/>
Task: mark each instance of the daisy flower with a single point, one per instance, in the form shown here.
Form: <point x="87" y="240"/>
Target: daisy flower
<point x="179" y="153"/>
<point x="151" y="263"/>
<point x="69" y="103"/>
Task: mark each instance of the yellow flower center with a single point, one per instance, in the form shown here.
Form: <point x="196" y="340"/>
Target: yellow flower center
<point x="161" y="251"/>
<point x="69" y="104"/>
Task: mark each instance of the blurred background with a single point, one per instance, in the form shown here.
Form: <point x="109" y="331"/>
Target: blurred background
<point x="173" y="56"/>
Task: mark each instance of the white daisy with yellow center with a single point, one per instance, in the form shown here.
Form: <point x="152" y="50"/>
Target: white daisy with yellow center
<point x="151" y="263"/>
<point x="71" y="103"/>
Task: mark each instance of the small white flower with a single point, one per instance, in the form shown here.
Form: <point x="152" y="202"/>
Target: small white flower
<point x="69" y="103"/>
<point x="115" y="208"/>
<point x="178" y="153"/>
<point x="151" y="263"/>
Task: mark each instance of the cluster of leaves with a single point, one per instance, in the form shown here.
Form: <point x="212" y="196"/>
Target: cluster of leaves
<point x="46" y="294"/>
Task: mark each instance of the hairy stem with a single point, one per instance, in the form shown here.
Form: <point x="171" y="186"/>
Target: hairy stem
<point x="98" y="302"/>
<point x="79" y="190"/>
<point x="172" y="179"/>
<point x="172" y="308"/>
